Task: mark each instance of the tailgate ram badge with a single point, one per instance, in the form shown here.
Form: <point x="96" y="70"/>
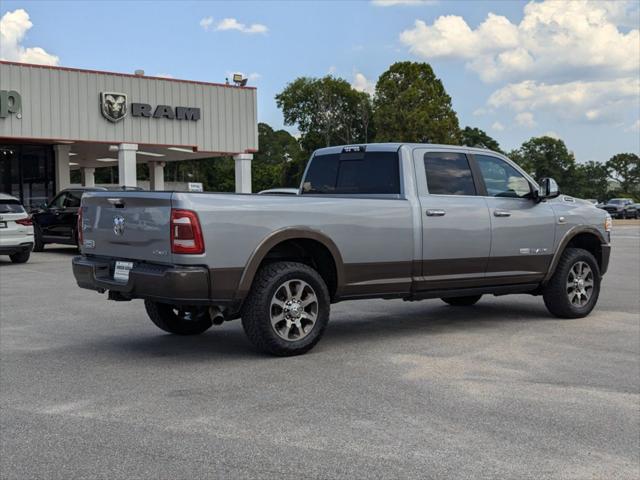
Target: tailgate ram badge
<point x="118" y="225"/>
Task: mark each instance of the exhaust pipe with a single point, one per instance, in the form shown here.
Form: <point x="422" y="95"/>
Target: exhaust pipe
<point x="217" y="315"/>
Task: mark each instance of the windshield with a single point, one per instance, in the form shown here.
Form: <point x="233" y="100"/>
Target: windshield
<point x="10" y="206"/>
<point x="618" y="201"/>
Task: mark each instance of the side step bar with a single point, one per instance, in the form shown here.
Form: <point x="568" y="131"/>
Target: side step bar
<point x="467" y="292"/>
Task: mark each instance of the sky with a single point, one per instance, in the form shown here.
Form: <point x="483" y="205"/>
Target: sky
<point x="516" y="69"/>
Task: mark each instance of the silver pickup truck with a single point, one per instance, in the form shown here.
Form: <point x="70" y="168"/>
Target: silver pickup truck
<point x="409" y="221"/>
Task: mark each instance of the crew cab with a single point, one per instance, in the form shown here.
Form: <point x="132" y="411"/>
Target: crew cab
<point x="409" y="221"/>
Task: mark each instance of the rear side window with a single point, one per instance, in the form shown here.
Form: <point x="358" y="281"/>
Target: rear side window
<point x="448" y="173"/>
<point x="354" y="173"/>
<point x="11" y="206"/>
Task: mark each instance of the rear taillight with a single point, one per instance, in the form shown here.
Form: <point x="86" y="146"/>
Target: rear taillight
<point x="25" y="221"/>
<point x="186" y="234"/>
<point x="79" y="227"/>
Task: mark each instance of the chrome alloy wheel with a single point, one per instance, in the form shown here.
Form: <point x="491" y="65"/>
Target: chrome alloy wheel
<point x="580" y="284"/>
<point x="293" y="310"/>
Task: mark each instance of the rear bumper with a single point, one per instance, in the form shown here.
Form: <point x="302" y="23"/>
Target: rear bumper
<point x="11" y="249"/>
<point x="162" y="283"/>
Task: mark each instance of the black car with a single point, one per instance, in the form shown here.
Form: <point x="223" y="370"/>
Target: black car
<point x="621" y="208"/>
<point x="56" y="221"/>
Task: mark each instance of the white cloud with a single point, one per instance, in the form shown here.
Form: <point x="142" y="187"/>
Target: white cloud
<point x="13" y="28"/>
<point x="551" y="134"/>
<point x="525" y="119"/>
<point x="594" y="100"/>
<point x="497" y="126"/>
<point x="393" y="3"/>
<point x="206" y="22"/>
<point x="362" y="84"/>
<point x="233" y="24"/>
<point x="553" y="40"/>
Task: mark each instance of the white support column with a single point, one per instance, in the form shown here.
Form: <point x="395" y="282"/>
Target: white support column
<point x="88" y="176"/>
<point x="127" y="164"/>
<point x="243" y="172"/>
<point x="156" y="175"/>
<point x="63" y="177"/>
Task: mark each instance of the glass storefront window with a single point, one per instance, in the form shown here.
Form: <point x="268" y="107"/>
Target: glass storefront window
<point x="27" y="172"/>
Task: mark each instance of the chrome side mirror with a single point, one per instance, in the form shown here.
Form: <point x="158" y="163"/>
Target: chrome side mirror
<point x="548" y="188"/>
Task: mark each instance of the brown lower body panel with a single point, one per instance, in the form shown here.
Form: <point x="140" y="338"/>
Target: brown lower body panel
<point x="404" y="278"/>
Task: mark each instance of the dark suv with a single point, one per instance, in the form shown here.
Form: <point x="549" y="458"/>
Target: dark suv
<point x="56" y="221"/>
<point x="621" y="208"/>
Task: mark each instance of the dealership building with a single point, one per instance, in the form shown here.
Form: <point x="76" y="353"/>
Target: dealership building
<point x="55" y="119"/>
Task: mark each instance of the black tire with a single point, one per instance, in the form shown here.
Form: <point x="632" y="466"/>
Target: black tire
<point x="178" y="319"/>
<point x="258" y="309"/>
<point x="38" y="245"/>
<point x="557" y="292"/>
<point x="462" y="301"/>
<point x="20" y="257"/>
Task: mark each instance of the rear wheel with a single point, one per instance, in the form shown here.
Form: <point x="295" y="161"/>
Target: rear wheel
<point x="20" y="257"/>
<point x="287" y="309"/>
<point x="573" y="290"/>
<point x="178" y="319"/>
<point x="462" y="301"/>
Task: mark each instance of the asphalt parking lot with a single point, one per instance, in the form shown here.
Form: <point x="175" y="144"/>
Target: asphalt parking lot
<point x="91" y="389"/>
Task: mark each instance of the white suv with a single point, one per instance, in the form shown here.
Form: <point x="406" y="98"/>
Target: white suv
<point x="16" y="230"/>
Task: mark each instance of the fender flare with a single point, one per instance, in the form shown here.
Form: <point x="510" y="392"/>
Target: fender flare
<point x="279" y="236"/>
<point x="568" y="236"/>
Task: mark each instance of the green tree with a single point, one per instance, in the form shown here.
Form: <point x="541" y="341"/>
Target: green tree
<point x="279" y="160"/>
<point x="549" y="157"/>
<point x="593" y="180"/>
<point x="474" y="137"/>
<point x="625" y="168"/>
<point x="411" y="105"/>
<point x="327" y="111"/>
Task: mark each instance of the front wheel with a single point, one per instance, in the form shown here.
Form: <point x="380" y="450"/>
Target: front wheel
<point x="287" y="309"/>
<point x="462" y="301"/>
<point x="574" y="287"/>
<point x="178" y="319"/>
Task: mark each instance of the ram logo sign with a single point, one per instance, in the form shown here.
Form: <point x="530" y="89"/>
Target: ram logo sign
<point x="113" y="106"/>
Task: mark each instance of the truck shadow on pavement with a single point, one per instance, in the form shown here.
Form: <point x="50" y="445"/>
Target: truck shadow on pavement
<point x="229" y="341"/>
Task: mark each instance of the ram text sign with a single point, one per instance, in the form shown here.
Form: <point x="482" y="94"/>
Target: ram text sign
<point x="114" y="108"/>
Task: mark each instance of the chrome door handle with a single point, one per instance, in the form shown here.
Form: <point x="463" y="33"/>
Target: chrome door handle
<point x="435" y="213"/>
<point x="501" y="213"/>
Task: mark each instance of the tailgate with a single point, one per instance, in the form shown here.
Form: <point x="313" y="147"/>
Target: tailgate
<point x="127" y="225"/>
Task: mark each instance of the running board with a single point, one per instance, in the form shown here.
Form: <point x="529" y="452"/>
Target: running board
<point x="468" y="292"/>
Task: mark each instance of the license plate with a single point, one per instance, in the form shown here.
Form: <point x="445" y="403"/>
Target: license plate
<point x="121" y="271"/>
<point x="3" y="224"/>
